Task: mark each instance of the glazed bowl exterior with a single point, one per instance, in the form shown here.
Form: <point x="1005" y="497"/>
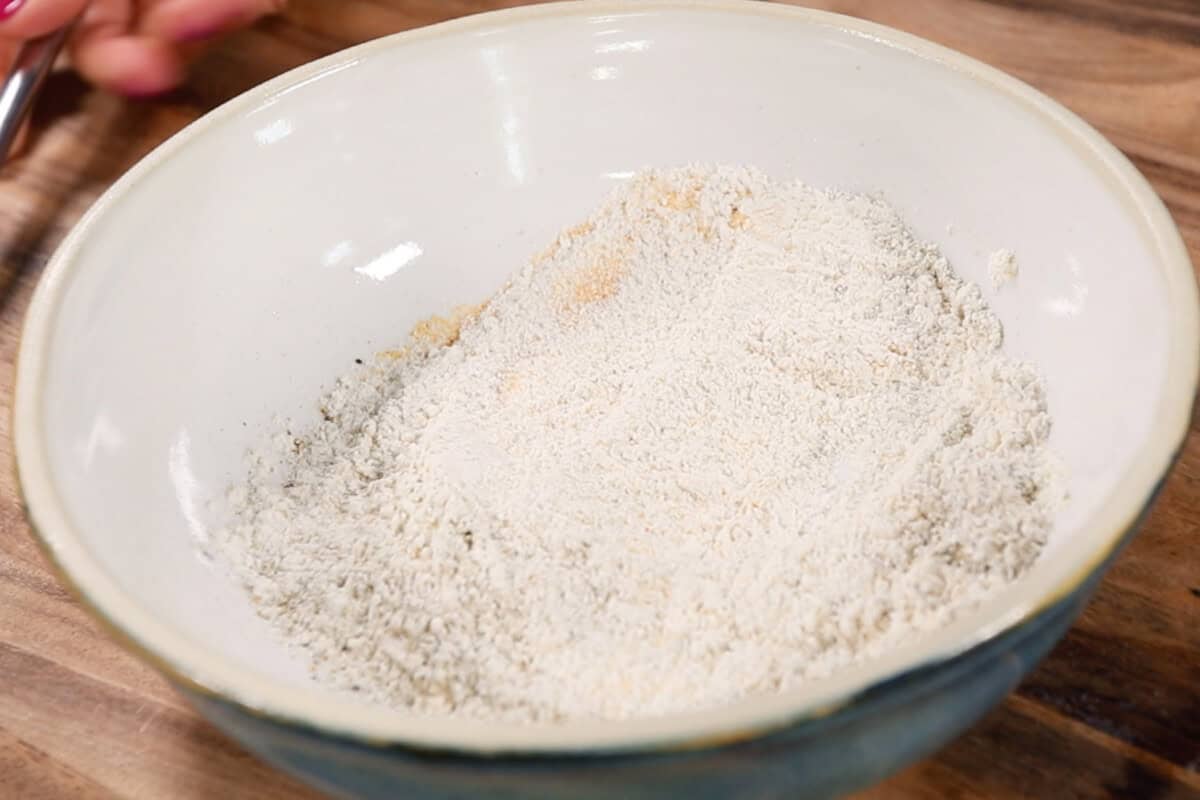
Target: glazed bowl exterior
<point x="249" y="261"/>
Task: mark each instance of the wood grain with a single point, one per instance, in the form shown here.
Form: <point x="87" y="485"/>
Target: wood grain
<point x="1113" y="712"/>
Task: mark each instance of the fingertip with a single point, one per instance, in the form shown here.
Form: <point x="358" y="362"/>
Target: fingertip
<point x="197" y="20"/>
<point x="135" y="66"/>
<point x="31" y="19"/>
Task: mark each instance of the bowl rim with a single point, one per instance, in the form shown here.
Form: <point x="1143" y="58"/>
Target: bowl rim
<point x="192" y="666"/>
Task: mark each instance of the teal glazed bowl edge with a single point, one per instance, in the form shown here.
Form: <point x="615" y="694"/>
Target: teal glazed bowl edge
<point x="876" y="734"/>
<point x="879" y="732"/>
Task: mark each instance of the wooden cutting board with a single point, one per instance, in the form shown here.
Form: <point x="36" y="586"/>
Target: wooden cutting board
<point x="1114" y="711"/>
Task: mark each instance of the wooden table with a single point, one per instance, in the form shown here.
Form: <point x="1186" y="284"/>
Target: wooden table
<point x="1114" y="711"/>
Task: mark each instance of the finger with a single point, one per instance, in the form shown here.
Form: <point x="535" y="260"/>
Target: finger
<point x="109" y="53"/>
<point x="30" y="19"/>
<point x="138" y="66"/>
<point x="194" y="20"/>
<point x="106" y="19"/>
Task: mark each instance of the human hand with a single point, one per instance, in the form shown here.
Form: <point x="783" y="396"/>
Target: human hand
<point x="134" y="47"/>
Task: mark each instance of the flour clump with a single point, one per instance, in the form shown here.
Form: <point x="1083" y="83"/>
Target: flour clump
<point x="726" y="436"/>
<point x="1002" y="267"/>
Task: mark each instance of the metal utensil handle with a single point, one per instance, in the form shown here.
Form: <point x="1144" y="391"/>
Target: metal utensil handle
<point x="33" y="63"/>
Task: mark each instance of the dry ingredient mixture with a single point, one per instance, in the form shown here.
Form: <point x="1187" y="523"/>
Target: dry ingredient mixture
<point x="726" y="436"/>
<point x="1002" y="268"/>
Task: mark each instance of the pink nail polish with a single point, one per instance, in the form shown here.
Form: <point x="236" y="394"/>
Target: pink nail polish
<point x="139" y="92"/>
<point x="10" y="7"/>
<point x="197" y="34"/>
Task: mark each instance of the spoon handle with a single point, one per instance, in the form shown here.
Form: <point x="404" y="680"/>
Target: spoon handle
<point x="33" y="63"/>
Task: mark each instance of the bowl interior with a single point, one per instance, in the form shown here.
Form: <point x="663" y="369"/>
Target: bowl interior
<point x="314" y="221"/>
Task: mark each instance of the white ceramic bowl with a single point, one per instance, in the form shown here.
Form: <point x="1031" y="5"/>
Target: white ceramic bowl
<point x="251" y="259"/>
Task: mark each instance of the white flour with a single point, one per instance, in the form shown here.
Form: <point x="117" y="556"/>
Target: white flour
<point x="1002" y="268"/>
<point x="725" y="437"/>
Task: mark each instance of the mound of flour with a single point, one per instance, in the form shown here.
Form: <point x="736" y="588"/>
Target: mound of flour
<point x="726" y="436"/>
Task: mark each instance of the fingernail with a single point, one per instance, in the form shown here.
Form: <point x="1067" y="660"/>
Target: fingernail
<point x="198" y="34"/>
<point x="143" y="89"/>
<point x="135" y="91"/>
<point x="9" y="7"/>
